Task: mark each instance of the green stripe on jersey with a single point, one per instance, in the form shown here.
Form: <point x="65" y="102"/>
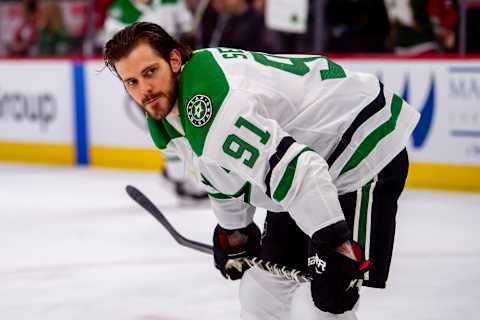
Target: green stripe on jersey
<point x="334" y="71"/>
<point x="362" y="219"/>
<point x="218" y="195"/>
<point x="161" y="132"/>
<point x="287" y="179"/>
<point x="244" y="191"/>
<point x="201" y="76"/>
<point x="369" y="143"/>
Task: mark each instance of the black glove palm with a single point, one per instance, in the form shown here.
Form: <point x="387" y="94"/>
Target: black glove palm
<point x="231" y="247"/>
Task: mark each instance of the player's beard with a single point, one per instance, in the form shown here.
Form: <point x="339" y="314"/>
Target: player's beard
<point x="165" y="101"/>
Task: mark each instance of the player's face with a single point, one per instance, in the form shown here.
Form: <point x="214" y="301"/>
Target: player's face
<point x="151" y="80"/>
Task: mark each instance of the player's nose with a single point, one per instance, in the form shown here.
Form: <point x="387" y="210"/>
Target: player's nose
<point x="146" y="87"/>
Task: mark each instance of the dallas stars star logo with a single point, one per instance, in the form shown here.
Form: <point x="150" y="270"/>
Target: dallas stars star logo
<point x="199" y="110"/>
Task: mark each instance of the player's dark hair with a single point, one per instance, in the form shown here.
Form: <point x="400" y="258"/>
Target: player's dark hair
<point x="124" y="41"/>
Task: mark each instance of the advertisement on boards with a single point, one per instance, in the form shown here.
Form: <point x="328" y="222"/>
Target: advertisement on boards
<point x="36" y="102"/>
<point x="37" y="119"/>
<point x="447" y="94"/>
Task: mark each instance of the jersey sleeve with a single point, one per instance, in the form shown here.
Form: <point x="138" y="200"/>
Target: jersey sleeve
<point x="231" y="212"/>
<point x="245" y="140"/>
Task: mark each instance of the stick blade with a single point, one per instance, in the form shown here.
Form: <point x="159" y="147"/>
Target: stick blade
<point x="148" y="205"/>
<point x="134" y="193"/>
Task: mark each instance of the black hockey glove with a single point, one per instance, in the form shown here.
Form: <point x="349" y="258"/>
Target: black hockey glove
<point x="231" y="247"/>
<point x="336" y="277"/>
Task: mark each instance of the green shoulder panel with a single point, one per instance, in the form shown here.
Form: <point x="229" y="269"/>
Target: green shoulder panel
<point x="202" y="90"/>
<point x="161" y="132"/>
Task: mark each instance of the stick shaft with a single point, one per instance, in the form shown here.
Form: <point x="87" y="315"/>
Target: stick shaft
<point x="144" y="202"/>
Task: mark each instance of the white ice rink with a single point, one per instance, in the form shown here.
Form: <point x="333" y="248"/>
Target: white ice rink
<point x="74" y="246"/>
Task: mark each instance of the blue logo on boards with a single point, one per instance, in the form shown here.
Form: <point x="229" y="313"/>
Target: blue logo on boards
<point x="464" y="94"/>
<point x="421" y="131"/>
<point x="424" y="125"/>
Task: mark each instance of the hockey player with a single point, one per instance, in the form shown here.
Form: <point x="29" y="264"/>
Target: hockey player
<point x="320" y="147"/>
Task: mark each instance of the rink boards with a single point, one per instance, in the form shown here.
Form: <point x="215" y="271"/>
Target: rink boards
<point x="77" y="113"/>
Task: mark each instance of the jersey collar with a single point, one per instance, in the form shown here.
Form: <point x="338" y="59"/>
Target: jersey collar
<point x="173" y="119"/>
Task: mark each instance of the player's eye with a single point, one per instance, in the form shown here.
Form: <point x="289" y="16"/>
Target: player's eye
<point x="150" y="71"/>
<point x="131" y="82"/>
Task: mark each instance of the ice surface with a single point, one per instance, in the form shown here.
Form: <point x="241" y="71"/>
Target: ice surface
<point x="74" y="246"/>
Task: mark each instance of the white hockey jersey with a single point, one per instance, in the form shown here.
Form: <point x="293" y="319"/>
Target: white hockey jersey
<point x="285" y="133"/>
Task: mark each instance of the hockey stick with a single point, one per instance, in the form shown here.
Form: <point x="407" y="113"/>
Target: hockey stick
<point x="144" y="202"/>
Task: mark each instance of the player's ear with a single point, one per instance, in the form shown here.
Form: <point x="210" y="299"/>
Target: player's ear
<point x="175" y="60"/>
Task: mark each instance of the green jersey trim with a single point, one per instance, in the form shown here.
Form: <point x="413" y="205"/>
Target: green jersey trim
<point x="218" y="195"/>
<point x="334" y="71"/>
<point x="364" y="211"/>
<point x="370" y="142"/>
<point x="287" y="179"/>
<point x="161" y="132"/>
<point x="245" y="190"/>
<point x="203" y="87"/>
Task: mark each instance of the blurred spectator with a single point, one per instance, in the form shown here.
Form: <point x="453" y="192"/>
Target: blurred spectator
<point x="192" y="5"/>
<point x="259" y="5"/>
<point x="444" y="19"/>
<point x="412" y="27"/>
<point x="422" y="26"/>
<point x="357" y="25"/>
<point x="53" y="38"/>
<point x="172" y="15"/>
<point x="208" y="23"/>
<point x="313" y="40"/>
<point x="101" y="8"/>
<point x="25" y="36"/>
<point x="239" y="26"/>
